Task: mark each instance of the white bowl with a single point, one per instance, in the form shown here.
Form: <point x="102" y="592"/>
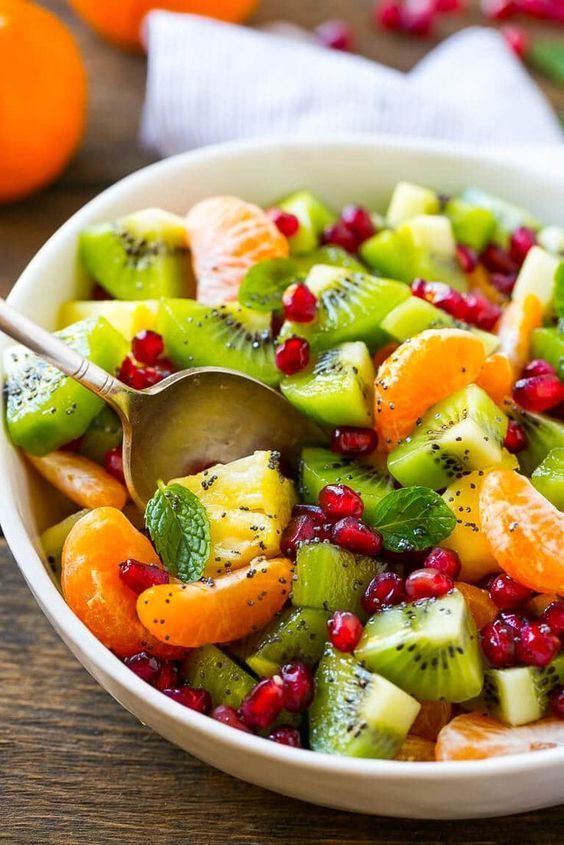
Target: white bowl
<point x="343" y="171"/>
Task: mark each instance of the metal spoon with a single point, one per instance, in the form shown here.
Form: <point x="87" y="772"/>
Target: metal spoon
<point x="192" y="418"/>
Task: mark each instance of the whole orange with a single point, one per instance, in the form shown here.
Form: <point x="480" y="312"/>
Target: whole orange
<point x="42" y="98"/>
<point x="120" y="20"/>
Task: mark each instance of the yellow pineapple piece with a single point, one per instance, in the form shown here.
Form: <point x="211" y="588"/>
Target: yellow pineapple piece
<point x="127" y="317"/>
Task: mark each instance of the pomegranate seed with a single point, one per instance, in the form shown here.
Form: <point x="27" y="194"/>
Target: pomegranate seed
<point x="264" y="703"/>
<point x="286" y="223"/>
<point x="352" y="534"/>
<point x="384" y="590"/>
<point x="147" y="346"/>
<point x="153" y="375"/>
<point x="427" y="583"/>
<point x="539" y="393"/>
<point x="141" y="576"/>
<point x="129" y="374"/>
<point x="100" y="295"/>
<point x="286" y="736"/>
<point x="537" y="645"/>
<point x="345" y="631"/>
<point x="145" y="666"/>
<point x="445" y="561"/>
<point x="337" y="35"/>
<point x="348" y="440"/>
<point x="300" y="304"/>
<point x="72" y="445"/>
<point x="292" y="355"/>
<point x="418" y="21"/>
<point x="467" y="258"/>
<point x="506" y="593"/>
<point x="313" y="511"/>
<point x="446" y="7"/>
<point x="498" y="10"/>
<point x="480" y="311"/>
<point x="341" y="235"/>
<point x="503" y="282"/>
<point x="387" y="15"/>
<point x="298" y="686"/>
<point x="359" y="220"/>
<point x="302" y="529"/>
<point x="192" y="697"/>
<point x="518" y="42"/>
<point x="498" y="644"/>
<point x="553" y="616"/>
<point x="442" y="296"/>
<point x="523" y="239"/>
<point x="557" y="702"/>
<point x="338" y="501"/>
<point x="228" y="716"/>
<point x="113" y="463"/>
<point x="513" y="620"/>
<point x="498" y="260"/>
<point x="168" y="676"/>
<point x="516" y="438"/>
<point x="538" y="367"/>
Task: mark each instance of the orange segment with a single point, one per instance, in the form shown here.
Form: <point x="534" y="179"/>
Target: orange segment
<point x="515" y="328"/>
<point x="416" y="750"/>
<point x="217" y="611"/>
<point x="524" y="530"/>
<point x="432" y="717"/>
<point x="80" y="480"/>
<point x="92" y="586"/>
<point x="227" y="237"/>
<point x="475" y="737"/>
<point x="496" y="377"/>
<point x="422" y="371"/>
<point x="479" y="603"/>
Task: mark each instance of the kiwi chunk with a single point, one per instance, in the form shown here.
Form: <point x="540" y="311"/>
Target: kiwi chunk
<point x="355" y="713"/>
<point x="548" y="477"/>
<point x="210" y="668"/>
<point x="543" y="434"/>
<point x="320" y="467"/>
<point x="472" y="225"/>
<point x="140" y="256"/>
<point x="350" y="307"/>
<point x="429" y="648"/>
<point x="297" y="634"/>
<point x="314" y="217"/>
<point x="230" y="336"/>
<point x="508" y="217"/>
<point x="416" y="315"/>
<point x="549" y="344"/>
<point x="53" y="539"/>
<point x="330" y="578"/>
<point x="457" y="435"/>
<point x="46" y="409"/>
<point x="103" y="433"/>
<point x="337" y="389"/>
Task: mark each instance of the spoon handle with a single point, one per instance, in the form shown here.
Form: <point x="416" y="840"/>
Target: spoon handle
<point x="61" y="356"/>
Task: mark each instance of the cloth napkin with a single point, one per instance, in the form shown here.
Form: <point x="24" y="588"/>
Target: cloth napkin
<point x="210" y="82"/>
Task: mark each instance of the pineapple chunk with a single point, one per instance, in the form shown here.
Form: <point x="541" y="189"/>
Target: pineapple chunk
<point x="249" y="503"/>
<point x="467" y="540"/>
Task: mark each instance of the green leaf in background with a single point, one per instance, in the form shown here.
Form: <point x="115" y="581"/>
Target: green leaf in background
<point x="265" y="282"/>
<point x="412" y="519"/>
<point x="548" y="58"/>
<point x="180" y="530"/>
<point x="559" y="292"/>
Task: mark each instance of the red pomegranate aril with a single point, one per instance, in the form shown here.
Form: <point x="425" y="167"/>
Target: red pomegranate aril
<point x="359" y="220"/>
<point x="498" y="644"/>
<point x="384" y="590"/>
<point x="341" y="235"/>
<point x="518" y="42"/>
<point x="355" y="536"/>
<point x="537" y="645"/>
<point x="427" y="583"/>
<point x="298" y="686"/>
<point x="313" y="511"/>
<point x="168" y="676"/>
<point x="264" y="703"/>
<point x="516" y="438"/>
<point x="345" y="631"/>
<point x="292" y="355"/>
<point x="348" y="440"/>
<point x="300" y="304"/>
<point x="285" y="735"/>
<point x="338" y="501"/>
<point x="113" y="463"/>
<point x="286" y="223"/>
<point x="553" y="616"/>
<point x="72" y="445"/>
<point x="387" y="14"/>
<point x="557" y="702"/>
<point x="513" y="620"/>
<point x="446" y="7"/>
<point x="442" y="296"/>
<point x="445" y="561"/>
<point x="523" y="239"/>
<point x="467" y="258"/>
<point x="141" y="576"/>
<point x="497" y="260"/>
<point x="153" y="375"/>
<point x="337" y="35"/>
<point x="506" y="593"/>
<point x="538" y="367"/>
<point x="145" y="666"/>
<point x="100" y="294"/>
<point x="418" y="20"/>
<point x="191" y="697"/>
<point x="228" y="716"/>
<point x="147" y="346"/>
<point x="300" y="529"/>
<point x="539" y="393"/>
<point x="480" y="311"/>
<point x="498" y="10"/>
<point x="131" y="375"/>
<point x="503" y="282"/>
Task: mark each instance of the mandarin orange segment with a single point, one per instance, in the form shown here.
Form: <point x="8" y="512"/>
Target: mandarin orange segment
<point x="415" y="749"/>
<point x="524" y="530"/>
<point x="80" y="480"/>
<point x="422" y="371"/>
<point x="227" y="237"/>
<point x="92" y="586"/>
<point x="217" y="611"/>
<point x="496" y="377"/>
<point x="515" y="329"/>
<point x="475" y="737"/>
<point x="432" y="717"/>
<point x="479" y="603"/>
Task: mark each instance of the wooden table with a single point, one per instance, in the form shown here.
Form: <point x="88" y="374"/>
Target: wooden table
<point x="75" y="767"/>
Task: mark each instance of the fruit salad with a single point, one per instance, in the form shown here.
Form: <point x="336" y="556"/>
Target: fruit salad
<point x="402" y="595"/>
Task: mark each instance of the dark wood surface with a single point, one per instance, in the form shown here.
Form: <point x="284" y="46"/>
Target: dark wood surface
<point x="74" y="766"/>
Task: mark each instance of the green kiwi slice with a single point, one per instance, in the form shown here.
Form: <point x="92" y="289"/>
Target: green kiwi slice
<point x="53" y="539"/>
<point x="299" y="633"/>
<point x="314" y="217"/>
<point x="355" y="713"/>
<point x="103" y="433"/>
<point x="429" y="648"/>
<point x="543" y="434"/>
<point x="548" y="477"/>
<point x="208" y="667"/>
<point x="548" y="343"/>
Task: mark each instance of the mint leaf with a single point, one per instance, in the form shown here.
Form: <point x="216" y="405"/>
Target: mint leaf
<point x="265" y="282"/>
<point x="548" y="58"/>
<point x="180" y="530"/>
<point x="559" y="291"/>
<point x="412" y="518"/>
